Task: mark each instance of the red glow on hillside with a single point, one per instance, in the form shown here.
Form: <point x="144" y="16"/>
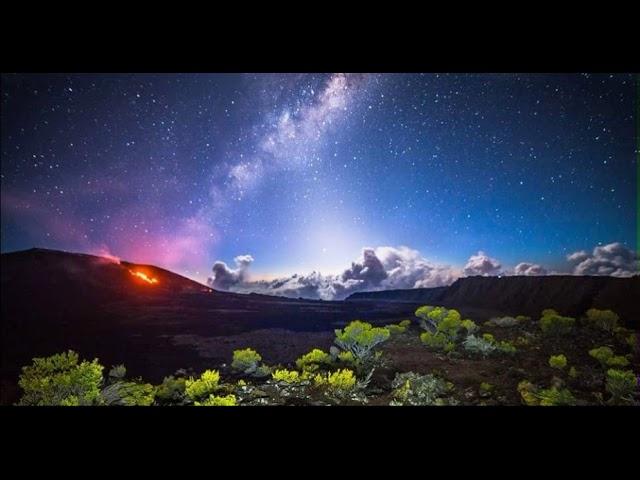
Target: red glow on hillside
<point x="144" y="276"/>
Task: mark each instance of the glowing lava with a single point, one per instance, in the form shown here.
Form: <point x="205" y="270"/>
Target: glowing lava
<point x="144" y="277"/>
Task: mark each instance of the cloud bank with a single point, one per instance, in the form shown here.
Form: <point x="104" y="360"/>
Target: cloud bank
<point x="482" y="264"/>
<point x="529" y="269"/>
<point x="613" y="259"/>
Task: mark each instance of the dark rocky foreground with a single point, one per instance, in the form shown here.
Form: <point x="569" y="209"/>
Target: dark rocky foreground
<point x="54" y="301"/>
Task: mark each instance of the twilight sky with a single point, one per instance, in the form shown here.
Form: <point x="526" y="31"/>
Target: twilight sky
<point x="437" y="175"/>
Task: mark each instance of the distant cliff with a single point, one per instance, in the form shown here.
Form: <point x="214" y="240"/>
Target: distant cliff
<point x="569" y="294"/>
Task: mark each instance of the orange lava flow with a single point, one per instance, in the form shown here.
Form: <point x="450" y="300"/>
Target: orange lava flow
<point x="144" y="277"/>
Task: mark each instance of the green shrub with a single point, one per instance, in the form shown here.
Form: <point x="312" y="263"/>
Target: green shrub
<point x="605" y="356"/>
<point x="632" y="341"/>
<point x="527" y="392"/>
<point x="214" y="401"/>
<point x="522" y="319"/>
<point x="286" y="376"/>
<point x="395" y="329"/>
<point x="485" y="389"/>
<point x="606" y="320"/>
<point x="413" y="389"/>
<point x="61" y="380"/>
<point x="205" y="385"/>
<point x="171" y="390"/>
<point x="548" y="311"/>
<point x="503" y="322"/>
<point x="554" y="396"/>
<point x="437" y="341"/>
<point x="405" y="323"/>
<point x="245" y="361"/>
<point x="506" y="347"/>
<point x="469" y="325"/>
<point x="313" y="360"/>
<point x="118" y="372"/>
<point x="431" y="317"/>
<point x="558" y="361"/>
<point x="347" y="357"/>
<point x="129" y="394"/>
<point x="555" y="325"/>
<point x="480" y="346"/>
<point x="621" y="384"/>
<point x="339" y="382"/>
<point x="573" y="373"/>
<point x="360" y="338"/>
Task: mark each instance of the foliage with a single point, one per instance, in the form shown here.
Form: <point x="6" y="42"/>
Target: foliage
<point x="558" y="361"/>
<point x="485" y="389"/>
<point x="205" y="385"/>
<point x="621" y="384"/>
<point x="605" y="356"/>
<point x="413" y="389"/>
<point x="548" y="311"/>
<point x="522" y="318"/>
<point x="478" y="345"/>
<point x="437" y="341"/>
<point x="312" y="361"/>
<point x="431" y="317"/>
<point x="573" y="373"/>
<point x="469" y="325"/>
<point x="606" y="320"/>
<point x="118" y="372"/>
<point x="218" y="401"/>
<point x="527" y="392"/>
<point x="171" y="390"/>
<point x="395" y="329"/>
<point x="245" y="361"/>
<point x="554" y="396"/>
<point x="360" y="338"/>
<point x="286" y="376"/>
<point x="553" y="324"/>
<point x="506" y="347"/>
<point x="339" y="382"/>
<point x="61" y="380"/>
<point x="503" y="322"/>
<point x="262" y="371"/>
<point x="346" y="357"/>
<point x="632" y="341"/>
<point x="129" y="394"/>
<point x="405" y="323"/>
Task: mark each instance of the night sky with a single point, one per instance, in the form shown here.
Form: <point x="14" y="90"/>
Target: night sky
<point x="294" y="173"/>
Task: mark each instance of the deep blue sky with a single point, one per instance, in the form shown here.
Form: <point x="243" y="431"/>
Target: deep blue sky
<point x="302" y="171"/>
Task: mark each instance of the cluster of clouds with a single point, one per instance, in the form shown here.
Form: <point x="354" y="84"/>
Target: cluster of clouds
<point x="388" y="268"/>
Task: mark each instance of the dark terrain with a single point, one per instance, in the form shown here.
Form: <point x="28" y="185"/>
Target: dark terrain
<point x="54" y="301"/>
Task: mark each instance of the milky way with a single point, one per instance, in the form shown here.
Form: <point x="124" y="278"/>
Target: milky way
<point x="436" y="176"/>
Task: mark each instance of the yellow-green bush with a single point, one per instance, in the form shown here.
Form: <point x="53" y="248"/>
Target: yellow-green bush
<point x="621" y="384"/>
<point x="552" y="397"/>
<point x="360" y="338"/>
<point x="61" y="380"/>
<point x="338" y="382"/>
<point x="558" y="361"/>
<point x="218" y="401"/>
<point x="313" y="360"/>
<point x="205" y="385"/>
<point x="129" y="394"/>
<point x="437" y="341"/>
<point x="606" y="320"/>
<point x="527" y="392"/>
<point x="286" y="376"/>
<point x="469" y="325"/>
<point x="346" y="357"/>
<point x="405" y="323"/>
<point x="171" y="390"/>
<point x="395" y="329"/>
<point x="245" y="360"/>
<point x="606" y="357"/>
<point x="553" y="324"/>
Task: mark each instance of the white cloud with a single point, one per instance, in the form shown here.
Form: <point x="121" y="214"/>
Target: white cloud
<point x="613" y="259"/>
<point x="482" y="264"/>
<point x="224" y="277"/>
<point x="529" y="269"/>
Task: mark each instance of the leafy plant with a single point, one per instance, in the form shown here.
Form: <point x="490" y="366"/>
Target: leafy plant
<point x="312" y="361"/>
<point x="171" y="390"/>
<point x="218" y="401"/>
<point x="61" y="380"/>
<point x="506" y="347"/>
<point x="606" y="320"/>
<point x="485" y="389"/>
<point x="555" y="325"/>
<point x="413" y="389"/>
<point x="246" y="360"/>
<point x="573" y="373"/>
<point x="503" y="322"/>
<point x="522" y="318"/>
<point x="360" y="338"/>
<point x="606" y="357"/>
<point x="552" y="397"/>
<point x="437" y="341"/>
<point x="286" y="376"/>
<point x="621" y="384"/>
<point x="205" y="385"/>
<point x="469" y="325"/>
<point x="558" y="361"/>
<point x="405" y="323"/>
<point x="480" y="346"/>
<point x="346" y="357"/>
<point x="527" y="392"/>
<point x="118" y="372"/>
<point x="339" y="382"/>
<point x="395" y="329"/>
<point x="129" y="394"/>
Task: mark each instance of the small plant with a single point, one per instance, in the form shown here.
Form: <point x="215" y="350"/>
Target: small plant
<point x="61" y="379"/>
<point x="480" y="346"/>
<point x="552" y="397"/>
<point x="605" y="356"/>
<point x="286" y="376"/>
<point x="558" y="361"/>
<point x="205" y="385"/>
<point x="347" y="358"/>
<point x="470" y="326"/>
<point x="486" y="389"/>
<point x="118" y="372"/>
<point x="214" y="401"/>
<point x="621" y="384"/>
<point x="395" y="329"/>
<point x="527" y="392"/>
<point x="360" y="338"/>
<point x="606" y="320"/>
<point x="437" y="341"/>
<point x="522" y="319"/>
<point x="431" y="317"/>
<point x="414" y="389"/>
<point x="555" y="325"/>
<point x="405" y="323"/>
<point x="129" y="394"/>
<point x="503" y="322"/>
<point x="245" y="361"/>
<point x="632" y="341"/>
<point x="171" y="390"/>
<point x="312" y="361"/>
<point x="507" y="348"/>
<point x="340" y="382"/>
<point x="573" y="373"/>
